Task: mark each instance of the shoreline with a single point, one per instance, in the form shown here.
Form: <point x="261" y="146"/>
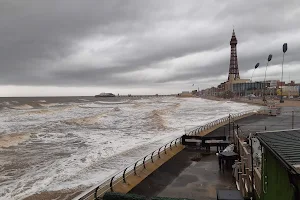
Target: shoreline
<point x="258" y="102"/>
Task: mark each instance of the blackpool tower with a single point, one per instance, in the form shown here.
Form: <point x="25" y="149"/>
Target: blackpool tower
<point x="233" y="67"/>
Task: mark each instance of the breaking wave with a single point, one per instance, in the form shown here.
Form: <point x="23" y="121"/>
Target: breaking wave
<point x="112" y="102"/>
<point x="156" y="120"/>
<point x="5" y="103"/>
<point x="51" y="104"/>
<point x="91" y="120"/>
<point x="74" y="144"/>
<point x="22" y="107"/>
<point x="91" y="105"/>
<point x="13" y="139"/>
<point x="116" y="109"/>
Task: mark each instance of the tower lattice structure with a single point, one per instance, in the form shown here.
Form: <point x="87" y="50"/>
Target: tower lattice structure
<point x="233" y="67"/>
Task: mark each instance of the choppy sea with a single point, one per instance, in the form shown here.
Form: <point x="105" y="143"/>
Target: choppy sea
<point x="51" y="144"/>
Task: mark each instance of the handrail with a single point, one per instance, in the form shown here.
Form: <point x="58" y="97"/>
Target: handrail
<point x="93" y="190"/>
<point x="197" y="129"/>
<point x="122" y="173"/>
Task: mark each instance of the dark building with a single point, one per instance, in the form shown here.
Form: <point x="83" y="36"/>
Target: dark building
<point x="244" y="89"/>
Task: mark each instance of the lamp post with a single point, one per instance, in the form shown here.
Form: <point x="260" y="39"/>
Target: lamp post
<point x="269" y="59"/>
<point x="284" y="49"/>
<point x="256" y="66"/>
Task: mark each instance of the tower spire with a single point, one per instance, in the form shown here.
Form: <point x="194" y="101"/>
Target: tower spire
<point x="233" y="67"/>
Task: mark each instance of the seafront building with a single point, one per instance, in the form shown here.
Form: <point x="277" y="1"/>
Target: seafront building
<point x="237" y="87"/>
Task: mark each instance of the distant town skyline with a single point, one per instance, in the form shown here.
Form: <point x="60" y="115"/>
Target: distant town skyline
<point x="73" y="47"/>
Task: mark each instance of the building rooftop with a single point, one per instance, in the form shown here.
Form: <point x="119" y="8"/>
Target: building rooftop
<point x="284" y="145"/>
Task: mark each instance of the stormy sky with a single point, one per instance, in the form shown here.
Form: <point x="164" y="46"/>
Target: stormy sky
<point x="75" y="47"/>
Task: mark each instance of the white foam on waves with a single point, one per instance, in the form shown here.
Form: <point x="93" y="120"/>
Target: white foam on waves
<point x="99" y="143"/>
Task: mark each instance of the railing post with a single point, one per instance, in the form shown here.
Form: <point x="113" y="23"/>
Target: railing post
<point x="152" y="156"/>
<point x="134" y="168"/>
<point x="229" y="126"/>
<point x="95" y="193"/>
<point x="292" y="119"/>
<point x="171" y="145"/>
<point x="111" y="182"/>
<point x="252" y="168"/>
<point x="144" y="162"/>
<point x="233" y="129"/>
<point x="165" y="149"/>
<point x="124" y="180"/>
<point x="159" y="152"/>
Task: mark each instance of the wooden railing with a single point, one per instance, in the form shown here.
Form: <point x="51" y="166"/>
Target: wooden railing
<point x="257" y="181"/>
<point x="244" y="172"/>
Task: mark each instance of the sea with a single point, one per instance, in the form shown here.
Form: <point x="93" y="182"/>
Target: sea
<point x="50" y="145"/>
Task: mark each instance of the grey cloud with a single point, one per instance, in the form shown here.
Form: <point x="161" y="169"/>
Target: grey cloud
<point x="37" y="35"/>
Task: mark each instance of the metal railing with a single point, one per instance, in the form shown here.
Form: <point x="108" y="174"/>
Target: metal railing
<point x="109" y="183"/>
<point x="196" y="130"/>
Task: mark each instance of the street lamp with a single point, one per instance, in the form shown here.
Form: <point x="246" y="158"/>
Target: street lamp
<point x="269" y="59"/>
<point x="256" y="66"/>
<point x="284" y="49"/>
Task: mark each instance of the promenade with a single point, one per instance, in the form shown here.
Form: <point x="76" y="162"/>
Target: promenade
<point x="258" y="101"/>
<point x="181" y="177"/>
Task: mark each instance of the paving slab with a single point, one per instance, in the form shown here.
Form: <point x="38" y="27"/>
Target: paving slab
<point x="181" y="177"/>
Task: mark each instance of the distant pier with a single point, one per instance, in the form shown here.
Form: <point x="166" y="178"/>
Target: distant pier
<point x="156" y="95"/>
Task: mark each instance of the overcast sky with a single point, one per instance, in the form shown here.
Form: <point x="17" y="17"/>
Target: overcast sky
<point x="78" y="47"/>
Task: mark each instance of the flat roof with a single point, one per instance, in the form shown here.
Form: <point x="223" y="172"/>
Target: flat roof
<point x="284" y="145"/>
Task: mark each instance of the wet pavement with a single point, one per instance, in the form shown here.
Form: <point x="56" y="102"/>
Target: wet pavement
<point x="288" y="119"/>
<point x="181" y="177"/>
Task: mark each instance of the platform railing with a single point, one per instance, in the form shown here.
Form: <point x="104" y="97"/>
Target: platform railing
<point x="135" y="167"/>
<point x="196" y="130"/>
<point x="248" y="177"/>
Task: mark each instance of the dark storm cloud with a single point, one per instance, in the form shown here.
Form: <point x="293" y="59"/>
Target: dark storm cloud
<point x="41" y="41"/>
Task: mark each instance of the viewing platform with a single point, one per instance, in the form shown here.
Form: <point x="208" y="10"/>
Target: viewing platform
<point x="192" y="171"/>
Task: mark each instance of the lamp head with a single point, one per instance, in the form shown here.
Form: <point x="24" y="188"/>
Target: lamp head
<point x="256" y="66"/>
<point x="284" y="47"/>
<point x="269" y="57"/>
